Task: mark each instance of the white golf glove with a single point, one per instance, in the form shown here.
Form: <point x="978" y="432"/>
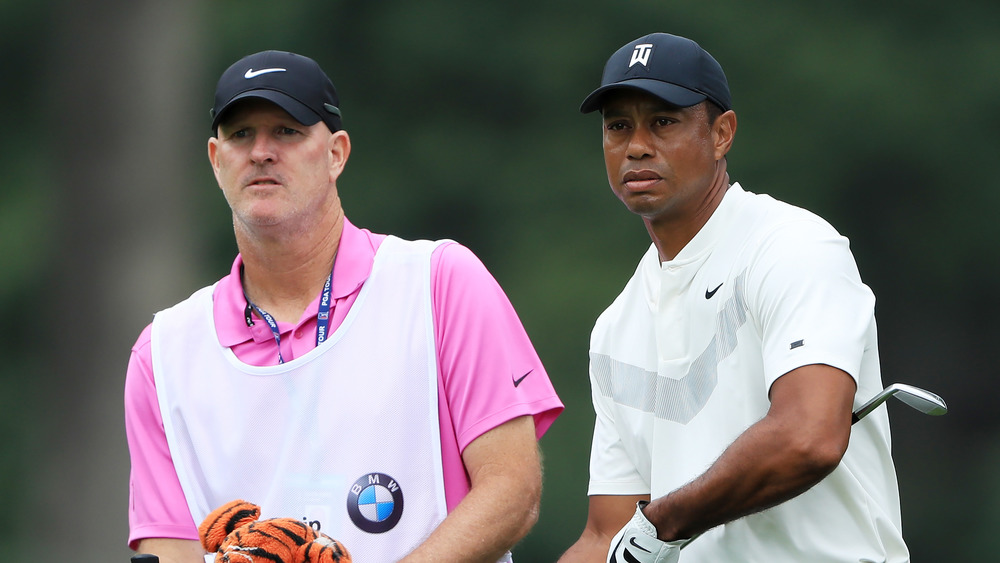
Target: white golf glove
<point x="637" y="543"/>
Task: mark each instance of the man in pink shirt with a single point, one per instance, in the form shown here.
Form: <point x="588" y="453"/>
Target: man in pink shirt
<point x="335" y="375"/>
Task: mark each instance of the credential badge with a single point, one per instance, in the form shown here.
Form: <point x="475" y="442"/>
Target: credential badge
<point x="641" y="54"/>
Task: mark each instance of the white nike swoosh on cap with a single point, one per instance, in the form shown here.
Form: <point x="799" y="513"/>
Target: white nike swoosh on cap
<point x="252" y="73"/>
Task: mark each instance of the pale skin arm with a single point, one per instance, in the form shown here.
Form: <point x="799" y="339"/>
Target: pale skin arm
<point x="173" y="551"/>
<point x="799" y="442"/>
<point x="505" y="472"/>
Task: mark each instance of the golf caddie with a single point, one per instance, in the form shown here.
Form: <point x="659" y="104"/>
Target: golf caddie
<point x="382" y="390"/>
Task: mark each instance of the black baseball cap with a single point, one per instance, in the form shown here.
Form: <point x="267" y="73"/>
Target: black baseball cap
<point x="295" y="83"/>
<point x="672" y="68"/>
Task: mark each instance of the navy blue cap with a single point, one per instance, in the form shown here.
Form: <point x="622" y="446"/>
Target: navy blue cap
<point x="295" y="83"/>
<point x="672" y="68"/>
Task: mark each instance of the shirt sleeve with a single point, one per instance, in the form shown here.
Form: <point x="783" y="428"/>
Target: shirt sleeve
<point x="489" y="368"/>
<point x="157" y="507"/>
<point x="810" y="303"/>
<point x="612" y="469"/>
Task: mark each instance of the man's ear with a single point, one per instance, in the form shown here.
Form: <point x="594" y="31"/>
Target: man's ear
<point x="724" y="132"/>
<point x="340" y="150"/>
<point x="213" y="155"/>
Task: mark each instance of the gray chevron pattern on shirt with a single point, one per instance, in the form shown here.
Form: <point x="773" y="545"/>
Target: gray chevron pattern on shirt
<point x="677" y="400"/>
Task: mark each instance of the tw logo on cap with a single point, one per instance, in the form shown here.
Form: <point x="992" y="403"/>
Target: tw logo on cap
<point x="641" y="55"/>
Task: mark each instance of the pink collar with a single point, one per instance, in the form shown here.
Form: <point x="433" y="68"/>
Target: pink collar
<point x="350" y="270"/>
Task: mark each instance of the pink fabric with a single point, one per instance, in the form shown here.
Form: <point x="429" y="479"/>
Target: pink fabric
<point x="481" y="345"/>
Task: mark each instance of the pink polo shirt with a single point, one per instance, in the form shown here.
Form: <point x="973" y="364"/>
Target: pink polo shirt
<point x="481" y="347"/>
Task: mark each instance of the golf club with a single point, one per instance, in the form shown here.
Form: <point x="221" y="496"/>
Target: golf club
<point x="920" y="399"/>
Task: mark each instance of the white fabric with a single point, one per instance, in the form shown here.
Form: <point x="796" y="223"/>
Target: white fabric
<point x="361" y="407"/>
<point x="682" y="362"/>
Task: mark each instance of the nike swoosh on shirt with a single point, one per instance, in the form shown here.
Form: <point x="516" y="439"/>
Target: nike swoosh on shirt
<point x="520" y="379"/>
<point x="710" y="294"/>
<point x="252" y="73"/>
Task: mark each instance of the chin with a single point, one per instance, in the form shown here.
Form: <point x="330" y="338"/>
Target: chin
<point x="643" y="204"/>
<point x="258" y="217"/>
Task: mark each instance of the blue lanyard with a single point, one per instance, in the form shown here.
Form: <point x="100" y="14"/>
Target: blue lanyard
<point x="322" y="316"/>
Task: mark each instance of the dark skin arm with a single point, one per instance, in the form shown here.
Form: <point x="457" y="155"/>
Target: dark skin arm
<point x="800" y="440"/>
<point x="606" y="515"/>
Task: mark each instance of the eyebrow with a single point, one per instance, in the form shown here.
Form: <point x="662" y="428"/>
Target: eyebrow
<point x="610" y="112"/>
<point x="654" y="107"/>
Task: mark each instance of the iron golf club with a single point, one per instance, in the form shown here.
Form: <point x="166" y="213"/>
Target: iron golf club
<point x="920" y="399"/>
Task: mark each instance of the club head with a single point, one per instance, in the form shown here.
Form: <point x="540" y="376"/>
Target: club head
<point x="917" y="398"/>
<point x="920" y="399"/>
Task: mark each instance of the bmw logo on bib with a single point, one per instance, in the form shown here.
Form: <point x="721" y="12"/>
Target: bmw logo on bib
<point x="375" y="503"/>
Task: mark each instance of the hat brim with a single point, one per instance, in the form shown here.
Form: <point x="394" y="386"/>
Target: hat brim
<point x="299" y="111"/>
<point x="671" y="93"/>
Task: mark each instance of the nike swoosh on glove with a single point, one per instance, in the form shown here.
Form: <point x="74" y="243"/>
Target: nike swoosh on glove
<point x="637" y="543"/>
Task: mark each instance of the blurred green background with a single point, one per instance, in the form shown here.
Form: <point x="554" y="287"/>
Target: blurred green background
<point x="879" y="116"/>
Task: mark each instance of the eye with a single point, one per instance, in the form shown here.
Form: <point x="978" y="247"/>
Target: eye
<point x="287" y="131"/>
<point x="615" y="125"/>
<point x="663" y="121"/>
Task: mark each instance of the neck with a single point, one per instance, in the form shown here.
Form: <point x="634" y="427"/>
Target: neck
<point x="284" y="277"/>
<point x="672" y="234"/>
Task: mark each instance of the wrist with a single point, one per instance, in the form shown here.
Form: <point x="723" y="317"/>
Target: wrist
<point x="663" y="526"/>
<point x="638" y="542"/>
<point x="642" y="522"/>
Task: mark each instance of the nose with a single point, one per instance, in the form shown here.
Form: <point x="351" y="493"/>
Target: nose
<point x="262" y="150"/>
<point x="640" y="144"/>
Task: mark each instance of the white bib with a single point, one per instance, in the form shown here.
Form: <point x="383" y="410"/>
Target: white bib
<point x="345" y="437"/>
